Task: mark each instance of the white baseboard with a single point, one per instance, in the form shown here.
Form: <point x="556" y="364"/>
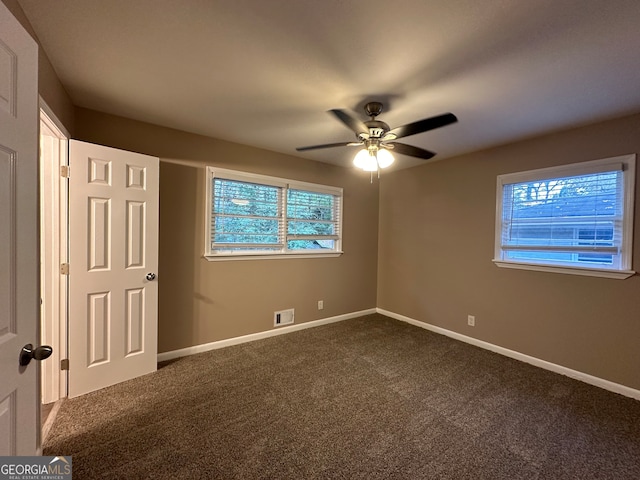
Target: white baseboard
<point x="46" y="428"/>
<point x="183" y="352"/>
<point x="583" y="377"/>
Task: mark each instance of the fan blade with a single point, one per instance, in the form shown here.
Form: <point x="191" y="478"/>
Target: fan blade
<point x="328" y="145"/>
<point x="353" y="123"/>
<point x="412" y="151"/>
<point x="424" y="125"/>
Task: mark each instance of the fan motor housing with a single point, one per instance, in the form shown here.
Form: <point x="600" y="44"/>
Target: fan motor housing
<point x="377" y="128"/>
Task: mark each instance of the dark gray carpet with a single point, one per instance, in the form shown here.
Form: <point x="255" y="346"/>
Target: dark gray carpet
<point x="368" y="398"/>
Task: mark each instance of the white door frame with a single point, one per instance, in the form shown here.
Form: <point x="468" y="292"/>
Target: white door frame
<point x="54" y="153"/>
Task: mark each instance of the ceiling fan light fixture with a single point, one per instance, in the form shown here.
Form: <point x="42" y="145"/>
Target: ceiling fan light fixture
<point x="378" y="138"/>
<point x="365" y="161"/>
<point x="385" y="158"/>
<point x="370" y="160"/>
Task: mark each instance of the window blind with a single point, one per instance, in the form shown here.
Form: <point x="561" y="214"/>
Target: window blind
<point x="256" y="215"/>
<point x="246" y="215"/>
<point x="561" y="219"/>
<point x="312" y="219"/>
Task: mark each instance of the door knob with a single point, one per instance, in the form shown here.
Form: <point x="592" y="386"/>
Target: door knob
<point x="40" y="353"/>
<point x="151" y="276"/>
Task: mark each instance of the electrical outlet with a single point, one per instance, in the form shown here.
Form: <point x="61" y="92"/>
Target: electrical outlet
<point x="320" y="304"/>
<point x="471" y="320"/>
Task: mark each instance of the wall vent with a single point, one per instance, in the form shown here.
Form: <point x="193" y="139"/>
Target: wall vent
<point x="283" y="317"/>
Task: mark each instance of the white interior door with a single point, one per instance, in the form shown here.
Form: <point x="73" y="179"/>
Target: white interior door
<point x="19" y="252"/>
<point x="113" y="258"/>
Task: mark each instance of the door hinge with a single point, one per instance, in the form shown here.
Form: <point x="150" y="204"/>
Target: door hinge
<point x="65" y="171"/>
<point x="64" y="364"/>
<point x="64" y="269"/>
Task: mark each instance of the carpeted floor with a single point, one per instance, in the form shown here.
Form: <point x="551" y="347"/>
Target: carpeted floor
<point x="368" y="398"/>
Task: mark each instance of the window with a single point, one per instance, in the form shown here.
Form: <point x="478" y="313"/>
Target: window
<point x="251" y="216"/>
<point x="569" y="219"/>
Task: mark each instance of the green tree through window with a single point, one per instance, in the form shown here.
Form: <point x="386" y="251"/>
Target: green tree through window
<point x="277" y="216"/>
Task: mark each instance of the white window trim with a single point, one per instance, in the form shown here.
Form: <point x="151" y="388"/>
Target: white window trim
<point x="625" y="162"/>
<point x="212" y="172"/>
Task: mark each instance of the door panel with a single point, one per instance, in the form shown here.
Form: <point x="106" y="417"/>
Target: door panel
<point x="136" y="220"/>
<point x="134" y="320"/>
<point x="19" y="255"/>
<point x="99" y="234"/>
<point x="7" y="199"/>
<point x="99" y="321"/>
<point x="7" y="425"/>
<point x="113" y="245"/>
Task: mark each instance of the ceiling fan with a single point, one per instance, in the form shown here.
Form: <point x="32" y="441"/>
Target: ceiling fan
<point x="378" y="139"/>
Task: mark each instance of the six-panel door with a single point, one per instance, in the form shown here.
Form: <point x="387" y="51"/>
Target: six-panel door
<point x="113" y="238"/>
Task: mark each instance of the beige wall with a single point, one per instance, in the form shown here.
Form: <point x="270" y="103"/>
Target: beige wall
<point x="436" y="245"/>
<point x="203" y="301"/>
<point x="49" y="86"/>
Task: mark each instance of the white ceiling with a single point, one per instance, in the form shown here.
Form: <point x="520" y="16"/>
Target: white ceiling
<point x="264" y="72"/>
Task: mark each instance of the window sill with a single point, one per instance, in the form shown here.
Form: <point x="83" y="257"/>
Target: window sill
<point x="591" y="272"/>
<point x="223" y="257"/>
